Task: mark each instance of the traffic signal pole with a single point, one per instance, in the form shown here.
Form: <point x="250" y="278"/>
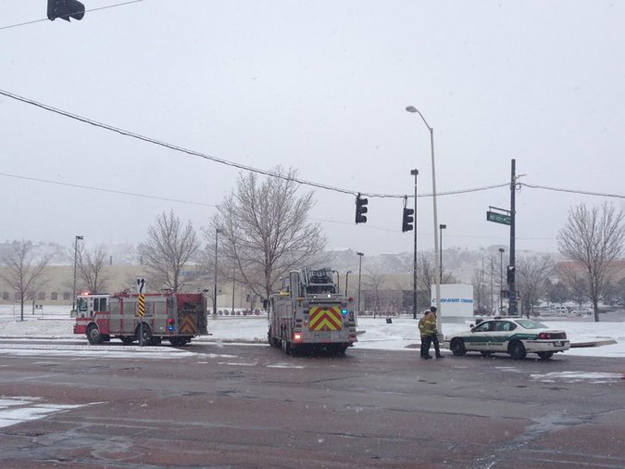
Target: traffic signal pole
<point x="511" y="281"/>
<point x="415" y="173"/>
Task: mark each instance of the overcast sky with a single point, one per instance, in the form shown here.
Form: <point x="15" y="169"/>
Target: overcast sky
<point x="321" y="86"/>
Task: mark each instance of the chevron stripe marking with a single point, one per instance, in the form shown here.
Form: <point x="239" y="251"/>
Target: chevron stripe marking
<point x="187" y="324"/>
<point x="321" y="319"/>
<point x="142" y="305"/>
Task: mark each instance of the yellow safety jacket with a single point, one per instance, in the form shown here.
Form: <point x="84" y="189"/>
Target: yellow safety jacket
<point x="427" y="325"/>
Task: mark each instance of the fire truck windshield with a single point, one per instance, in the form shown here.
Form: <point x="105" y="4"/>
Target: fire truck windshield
<point x="82" y="304"/>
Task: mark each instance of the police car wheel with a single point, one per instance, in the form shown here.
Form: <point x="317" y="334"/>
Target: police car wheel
<point x="545" y="355"/>
<point x="457" y="347"/>
<point x="517" y="350"/>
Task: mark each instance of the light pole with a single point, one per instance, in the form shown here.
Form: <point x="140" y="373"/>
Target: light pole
<point x="415" y="173"/>
<point x="436" y="260"/>
<point x="347" y="280"/>
<point x="78" y="237"/>
<point x="360" y="254"/>
<point x="501" y="251"/>
<point x="217" y="231"/>
<point x="441" y="228"/>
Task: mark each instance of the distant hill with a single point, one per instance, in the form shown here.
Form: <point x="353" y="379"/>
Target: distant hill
<point x="460" y="262"/>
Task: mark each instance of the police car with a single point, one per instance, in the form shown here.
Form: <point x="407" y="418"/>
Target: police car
<point x="515" y="336"/>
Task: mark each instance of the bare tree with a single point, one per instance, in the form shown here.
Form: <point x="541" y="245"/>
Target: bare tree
<point x="557" y="292"/>
<point x="426" y="272"/>
<point x="169" y="249"/>
<point x="531" y="274"/>
<point x="594" y="239"/>
<point x="374" y="281"/>
<point x="91" y="268"/>
<point x="23" y="273"/>
<point x="575" y="282"/>
<point x="265" y="227"/>
<point x="479" y="290"/>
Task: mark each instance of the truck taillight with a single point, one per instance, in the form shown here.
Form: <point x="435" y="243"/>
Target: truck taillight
<point x="297" y="336"/>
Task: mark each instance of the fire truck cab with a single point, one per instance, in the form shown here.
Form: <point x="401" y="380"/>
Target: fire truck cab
<point x="176" y="317"/>
<point x="309" y="312"/>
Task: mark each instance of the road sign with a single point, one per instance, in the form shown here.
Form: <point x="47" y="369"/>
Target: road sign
<point x="141" y="285"/>
<point x="498" y="217"/>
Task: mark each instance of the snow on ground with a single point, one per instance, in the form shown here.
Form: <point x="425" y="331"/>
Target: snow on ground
<point x="54" y="322"/>
<point x="14" y="410"/>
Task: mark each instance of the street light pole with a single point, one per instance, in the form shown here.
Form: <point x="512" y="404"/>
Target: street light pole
<point x="347" y="280"/>
<point x="501" y="251"/>
<point x="436" y="248"/>
<point x="360" y="254"/>
<point x="415" y="173"/>
<point x="217" y="231"/>
<point x="75" y="263"/>
<point x="441" y="228"/>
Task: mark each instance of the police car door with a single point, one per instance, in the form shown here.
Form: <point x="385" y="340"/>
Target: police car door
<point x="501" y="335"/>
<point x="480" y="337"/>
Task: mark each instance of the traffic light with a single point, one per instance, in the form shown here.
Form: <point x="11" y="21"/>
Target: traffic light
<point x="407" y="220"/>
<point x="511" y="270"/>
<point x="65" y="9"/>
<point x="361" y="209"/>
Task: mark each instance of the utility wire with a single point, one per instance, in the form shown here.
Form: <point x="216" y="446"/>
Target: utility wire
<point x="215" y="159"/>
<point x="91" y="10"/>
<point x="100" y="189"/>
<point x="572" y="191"/>
<point x="189" y="202"/>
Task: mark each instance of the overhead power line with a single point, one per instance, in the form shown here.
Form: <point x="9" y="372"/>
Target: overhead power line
<point x="215" y="159"/>
<point x="572" y="191"/>
<point x="91" y="10"/>
<point x="101" y="189"/>
<point x="189" y="202"/>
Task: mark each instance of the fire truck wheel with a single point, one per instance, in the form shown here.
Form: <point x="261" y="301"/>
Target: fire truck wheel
<point x="147" y="334"/>
<point x="127" y="340"/>
<point x="340" y="349"/>
<point x="93" y="335"/>
<point x="286" y="347"/>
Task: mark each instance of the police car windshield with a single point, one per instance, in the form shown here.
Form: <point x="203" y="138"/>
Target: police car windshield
<point x="529" y="324"/>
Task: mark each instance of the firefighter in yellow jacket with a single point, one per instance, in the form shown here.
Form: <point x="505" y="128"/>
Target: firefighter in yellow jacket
<point x="429" y="334"/>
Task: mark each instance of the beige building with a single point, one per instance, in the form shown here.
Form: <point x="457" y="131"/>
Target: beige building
<point x="57" y="285"/>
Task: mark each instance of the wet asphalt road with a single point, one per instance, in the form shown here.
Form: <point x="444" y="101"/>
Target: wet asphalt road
<point x="252" y="406"/>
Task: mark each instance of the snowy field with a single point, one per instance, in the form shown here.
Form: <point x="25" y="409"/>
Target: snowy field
<point x="54" y="322"/>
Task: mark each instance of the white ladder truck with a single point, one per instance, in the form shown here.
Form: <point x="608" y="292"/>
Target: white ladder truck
<point x="309" y="313"/>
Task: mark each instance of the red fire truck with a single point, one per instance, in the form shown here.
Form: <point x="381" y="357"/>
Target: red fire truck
<point x="309" y="312"/>
<point x="175" y="317"/>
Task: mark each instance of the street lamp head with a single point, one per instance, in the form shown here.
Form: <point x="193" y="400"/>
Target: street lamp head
<point x="360" y="253"/>
<point x="349" y="272"/>
<point x="442" y="227"/>
<point x="79" y="237"/>
<point x="411" y="109"/>
<point x="502" y="250"/>
<point x="414" y="172"/>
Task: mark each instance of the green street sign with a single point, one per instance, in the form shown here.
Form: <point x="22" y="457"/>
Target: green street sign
<point x="498" y="217"/>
